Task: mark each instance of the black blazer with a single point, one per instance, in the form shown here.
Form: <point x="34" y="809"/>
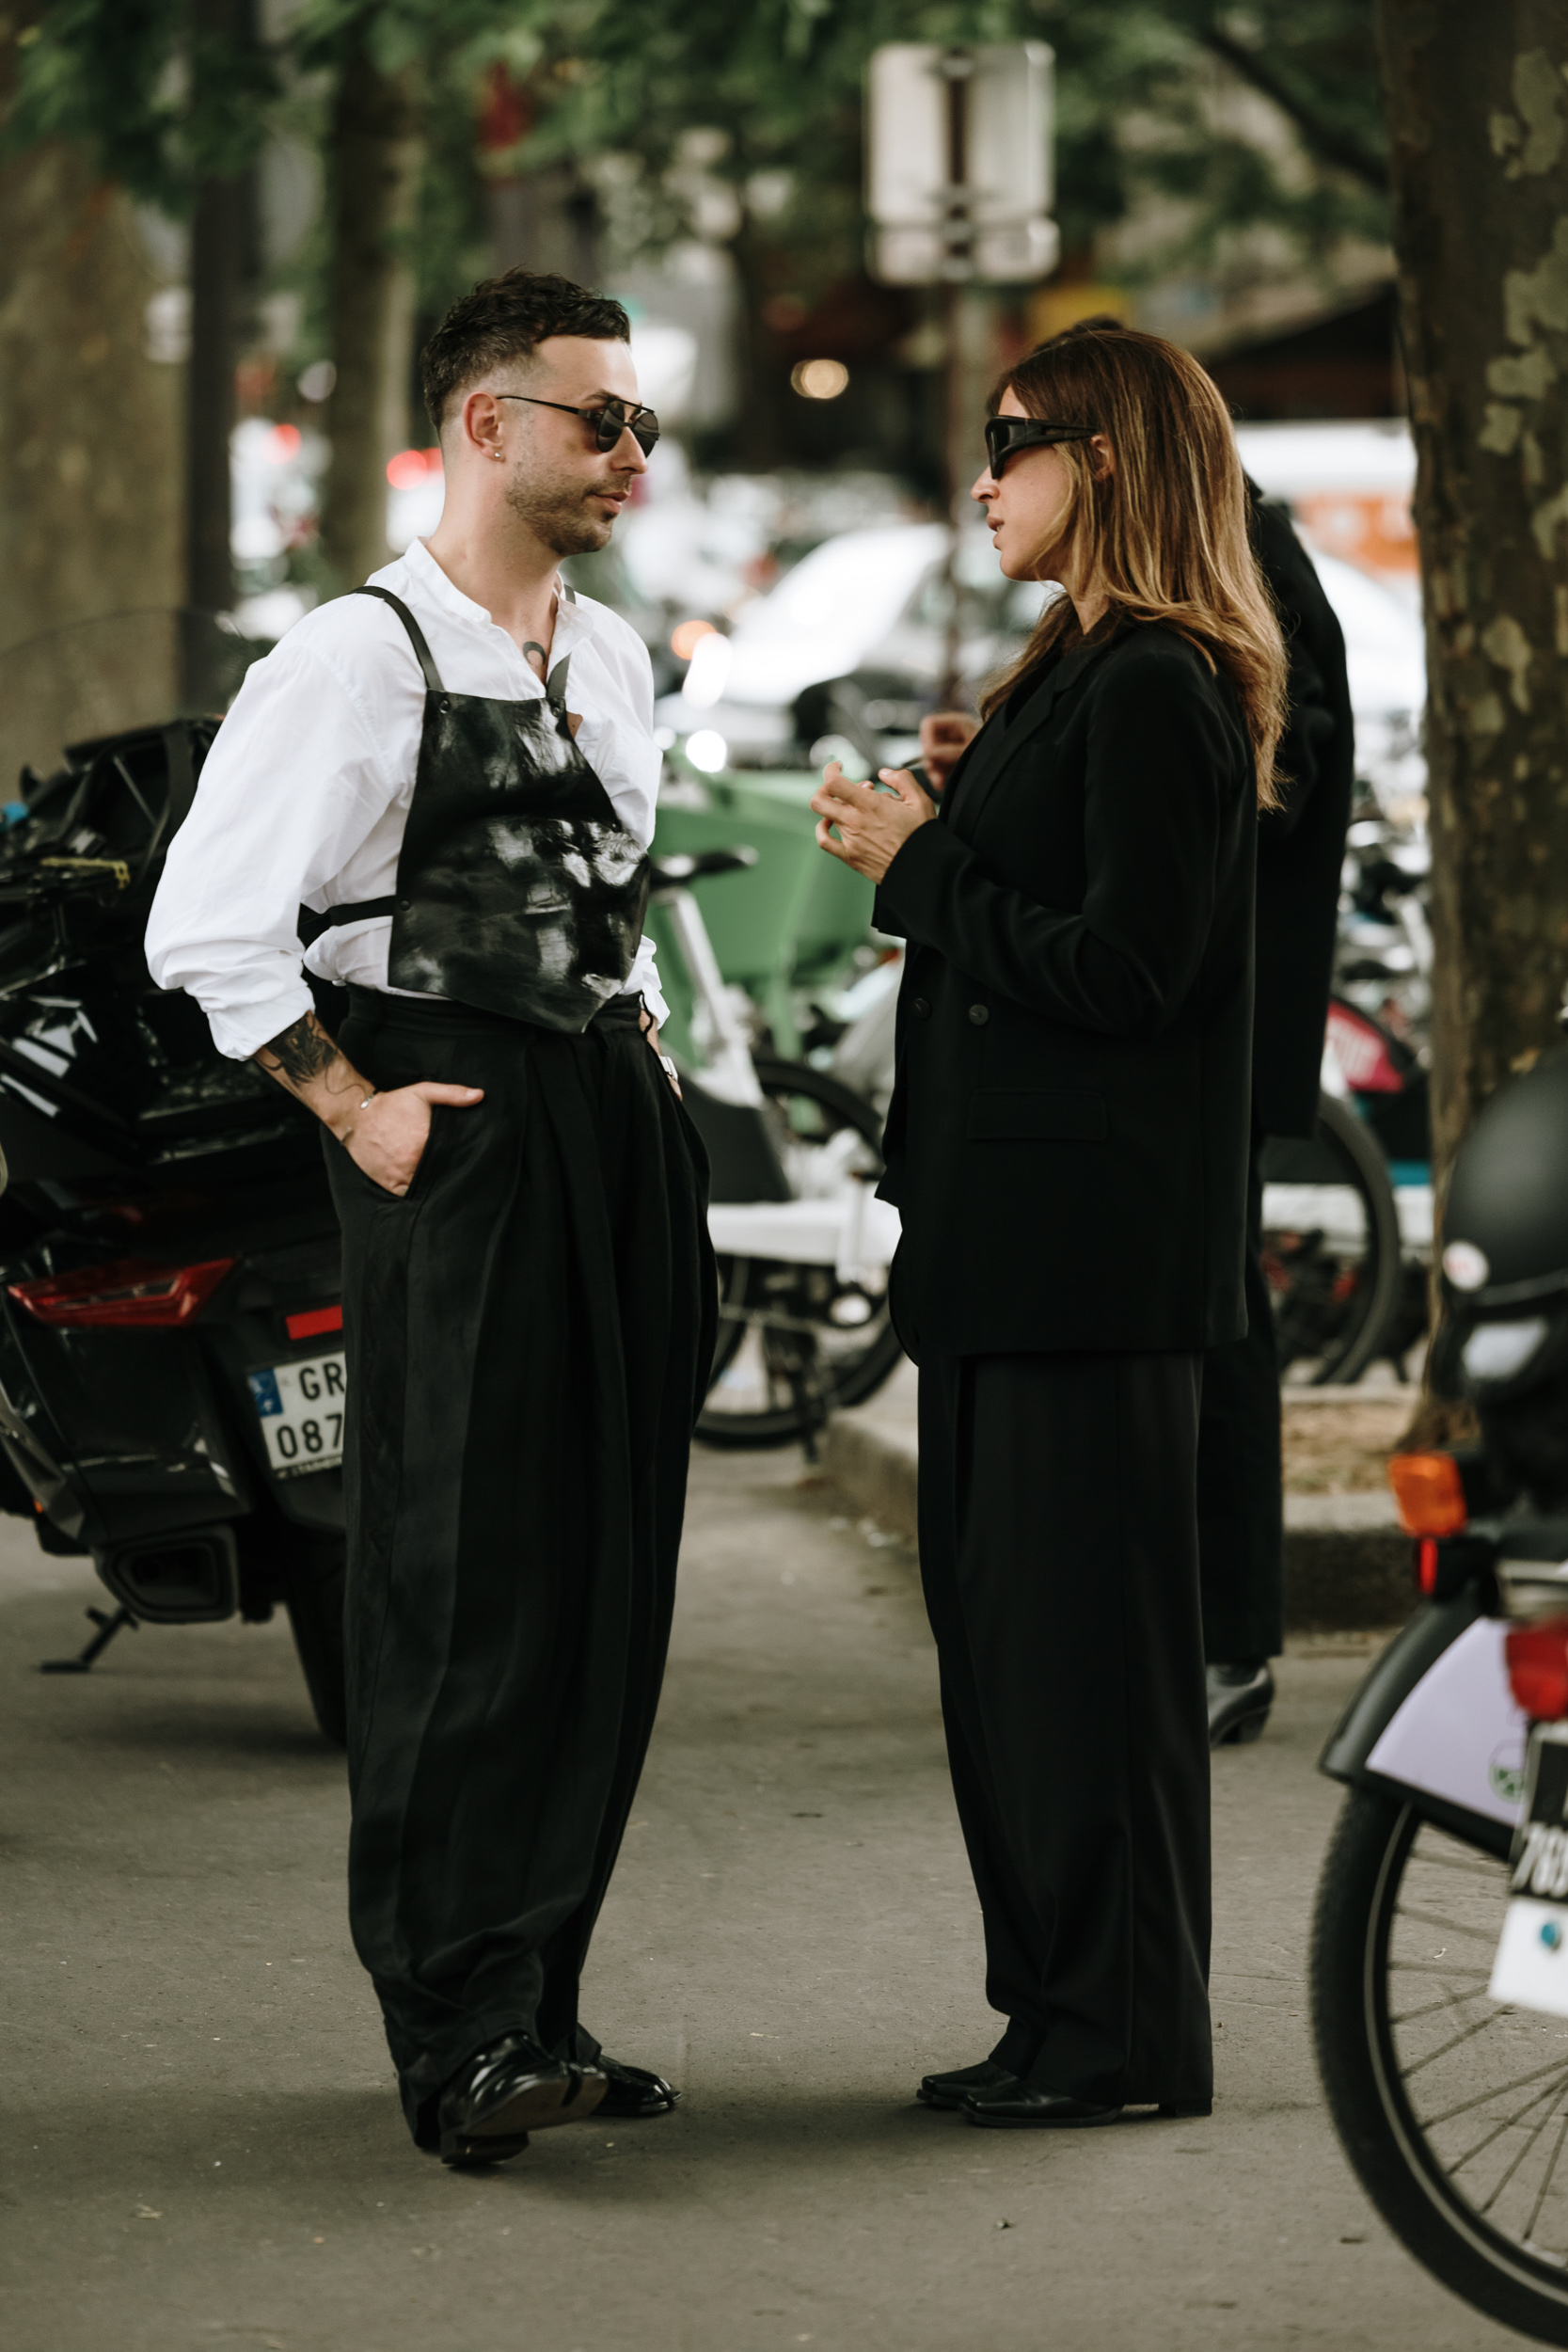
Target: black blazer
<point x="1068" y="1138"/>
<point x="1301" y="847"/>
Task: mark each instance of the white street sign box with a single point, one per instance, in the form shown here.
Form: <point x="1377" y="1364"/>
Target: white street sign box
<point x="958" y="160"/>
<point x="1011" y="256"/>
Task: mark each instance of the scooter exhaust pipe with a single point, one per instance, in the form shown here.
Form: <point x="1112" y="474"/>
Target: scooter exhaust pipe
<point x="192" y="1578"/>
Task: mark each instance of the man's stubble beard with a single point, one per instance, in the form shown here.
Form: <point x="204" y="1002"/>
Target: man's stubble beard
<point x="558" y="516"/>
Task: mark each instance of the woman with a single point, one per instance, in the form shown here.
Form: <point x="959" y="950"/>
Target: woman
<point x="1067" y="1147"/>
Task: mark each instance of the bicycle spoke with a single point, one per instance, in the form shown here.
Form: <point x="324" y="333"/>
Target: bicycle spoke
<point x="1450" y="1927"/>
<point x="1549" y="2099"/>
<point x="1508" y="2122"/>
<point x="1468" y="2034"/>
<point x="1535" y="2213"/>
<point x="1429" y="2009"/>
<point x="1499" y="2090"/>
<point x="1432" y="1968"/>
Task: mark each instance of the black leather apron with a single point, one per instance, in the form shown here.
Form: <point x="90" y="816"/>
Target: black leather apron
<point x="518" y="888"/>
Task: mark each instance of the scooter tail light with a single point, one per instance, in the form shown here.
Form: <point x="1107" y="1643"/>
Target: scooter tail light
<point x="1426" y="1566"/>
<point x="132" y="1293"/>
<point x="1537" y="1658"/>
<point x="1430" y="1493"/>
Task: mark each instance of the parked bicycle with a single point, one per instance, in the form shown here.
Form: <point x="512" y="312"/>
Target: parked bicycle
<point x="803" y="1246"/>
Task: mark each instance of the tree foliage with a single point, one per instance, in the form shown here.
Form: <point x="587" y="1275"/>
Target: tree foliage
<point x="1140" y="98"/>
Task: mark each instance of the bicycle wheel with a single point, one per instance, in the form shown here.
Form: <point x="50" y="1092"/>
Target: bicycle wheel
<point x="1331" y="1247"/>
<point x="1452" y="2107"/>
<point x="797" y="1342"/>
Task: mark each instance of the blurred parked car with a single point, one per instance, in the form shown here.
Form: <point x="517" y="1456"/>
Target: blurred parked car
<point x="851" y="643"/>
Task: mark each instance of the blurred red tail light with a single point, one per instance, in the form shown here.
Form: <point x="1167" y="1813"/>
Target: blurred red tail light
<point x="132" y="1292"/>
<point x="313" y="1322"/>
<point x="1538" y="1669"/>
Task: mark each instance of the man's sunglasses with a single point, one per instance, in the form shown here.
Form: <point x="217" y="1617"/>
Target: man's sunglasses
<point x="610" y="421"/>
<point x="1007" y="436"/>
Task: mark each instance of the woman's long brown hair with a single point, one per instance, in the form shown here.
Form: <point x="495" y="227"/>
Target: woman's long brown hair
<point x="1165" y="529"/>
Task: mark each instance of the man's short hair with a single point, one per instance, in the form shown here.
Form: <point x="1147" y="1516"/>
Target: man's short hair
<point x="507" y="318"/>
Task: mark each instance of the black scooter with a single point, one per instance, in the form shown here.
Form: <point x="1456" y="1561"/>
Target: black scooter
<point x="171" y="1357"/>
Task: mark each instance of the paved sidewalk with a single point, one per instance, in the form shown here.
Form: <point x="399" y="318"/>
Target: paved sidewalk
<point x="203" y="2151"/>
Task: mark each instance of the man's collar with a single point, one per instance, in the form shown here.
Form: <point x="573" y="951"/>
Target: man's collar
<point x="574" y="621"/>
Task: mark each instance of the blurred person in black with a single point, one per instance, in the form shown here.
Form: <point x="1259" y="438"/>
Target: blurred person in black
<point x="1300" y="850"/>
<point x="1067" y="1147"/>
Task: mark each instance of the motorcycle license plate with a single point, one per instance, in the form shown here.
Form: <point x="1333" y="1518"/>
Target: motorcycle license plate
<point x="301" y="1409"/>
<point x="1531" y="1966"/>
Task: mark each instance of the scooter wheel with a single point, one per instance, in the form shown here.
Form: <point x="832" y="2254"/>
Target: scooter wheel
<point x="1451" y="2106"/>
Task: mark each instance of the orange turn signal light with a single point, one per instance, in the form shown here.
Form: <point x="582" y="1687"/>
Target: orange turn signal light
<point x="1430" y="1493"/>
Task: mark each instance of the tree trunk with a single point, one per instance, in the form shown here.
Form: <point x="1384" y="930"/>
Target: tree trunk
<point x="377" y="151"/>
<point x="219" y="269"/>
<point x="90" y="516"/>
<point x="1478" y="110"/>
<point x="217" y="260"/>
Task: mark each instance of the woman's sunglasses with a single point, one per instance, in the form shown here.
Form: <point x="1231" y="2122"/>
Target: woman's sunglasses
<point x="1007" y="436"/>
<point x="610" y="421"/>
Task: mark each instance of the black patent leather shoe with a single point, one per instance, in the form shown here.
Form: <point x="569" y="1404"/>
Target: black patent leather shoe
<point x="633" y="2094"/>
<point x="951" y="2091"/>
<point x="1239" y="1698"/>
<point x="1013" y="2107"/>
<point x="491" y="2104"/>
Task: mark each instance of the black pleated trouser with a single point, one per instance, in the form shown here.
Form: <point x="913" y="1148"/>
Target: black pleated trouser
<point x="1241" y="1487"/>
<point x="1059" y="1554"/>
<point x="529" y="1332"/>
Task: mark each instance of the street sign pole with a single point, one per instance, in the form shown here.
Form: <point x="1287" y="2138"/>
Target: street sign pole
<point x="957" y="69"/>
<point x="958" y="189"/>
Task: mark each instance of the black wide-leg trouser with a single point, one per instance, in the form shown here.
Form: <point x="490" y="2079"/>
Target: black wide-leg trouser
<point x="1241" y="1478"/>
<point x="529" y="1332"/>
<point x="1058" y="1549"/>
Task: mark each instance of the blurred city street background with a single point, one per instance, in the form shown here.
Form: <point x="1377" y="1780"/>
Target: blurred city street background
<point x="229" y="227"/>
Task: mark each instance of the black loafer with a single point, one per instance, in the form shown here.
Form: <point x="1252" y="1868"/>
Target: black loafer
<point x="951" y="2091"/>
<point x="1014" y="2106"/>
<point x="632" y="2094"/>
<point x="491" y="2104"/>
<point x="1239" y="1698"/>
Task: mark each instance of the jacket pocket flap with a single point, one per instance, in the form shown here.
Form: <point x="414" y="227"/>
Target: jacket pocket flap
<point x="1059" y="1117"/>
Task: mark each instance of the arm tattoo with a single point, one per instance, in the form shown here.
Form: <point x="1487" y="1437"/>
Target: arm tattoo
<point x="300" y="1052"/>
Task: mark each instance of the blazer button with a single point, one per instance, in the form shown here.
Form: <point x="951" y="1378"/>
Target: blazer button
<point x="979" y="1014"/>
<point x="921" y="1007"/>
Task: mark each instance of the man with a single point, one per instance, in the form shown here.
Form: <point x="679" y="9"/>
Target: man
<point x="448" y="780"/>
<point x="1300" y="850"/>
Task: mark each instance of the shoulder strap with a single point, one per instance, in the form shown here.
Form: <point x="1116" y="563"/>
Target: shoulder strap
<point x="416" y="634"/>
<point x="555" y="685"/>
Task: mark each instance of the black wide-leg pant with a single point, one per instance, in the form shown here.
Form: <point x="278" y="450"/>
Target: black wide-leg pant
<point x="1059" y="1554"/>
<point x="529" y="1332"/>
<point x="1240" y="1479"/>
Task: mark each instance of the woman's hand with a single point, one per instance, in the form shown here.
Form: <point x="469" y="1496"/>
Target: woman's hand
<point x="944" y="736"/>
<point x="873" y="826"/>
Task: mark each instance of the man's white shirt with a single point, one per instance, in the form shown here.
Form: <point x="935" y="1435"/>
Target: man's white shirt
<point x="305" y="794"/>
